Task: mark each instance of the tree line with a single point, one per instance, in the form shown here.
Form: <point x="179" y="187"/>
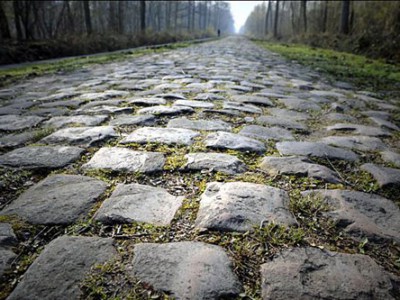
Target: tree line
<point x="288" y="18"/>
<point x="361" y="24"/>
<point x="57" y="19"/>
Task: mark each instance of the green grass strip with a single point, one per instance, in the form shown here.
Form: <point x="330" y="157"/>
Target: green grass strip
<point x="363" y="72"/>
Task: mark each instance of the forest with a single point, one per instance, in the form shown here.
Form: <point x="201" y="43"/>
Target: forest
<point x="34" y="30"/>
<point x="371" y="28"/>
<point x="31" y="30"/>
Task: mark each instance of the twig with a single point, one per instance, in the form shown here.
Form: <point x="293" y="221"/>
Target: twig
<point x="262" y="223"/>
<point x="30" y="243"/>
<point x="127" y="237"/>
<point x="337" y="172"/>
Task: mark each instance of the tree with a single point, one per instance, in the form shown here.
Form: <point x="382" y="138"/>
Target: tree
<point x="276" y="19"/>
<point x="88" y="20"/>
<point x="292" y="17"/>
<point x="17" y="17"/>
<point x="303" y="10"/>
<point x="4" y="29"/>
<point x="176" y="11"/>
<point x="142" y="16"/>
<point x="268" y="17"/>
<point x="121" y="19"/>
<point x="344" y="20"/>
<point x="71" y="23"/>
<point x="192" y="18"/>
<point x="112" y="16"/>
<point x="189" y="14"/>
<point x="60" y="19"/>
<point x="325" y="17"/>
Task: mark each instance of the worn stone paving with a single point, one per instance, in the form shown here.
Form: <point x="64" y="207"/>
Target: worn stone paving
<point x="219" y="170"/>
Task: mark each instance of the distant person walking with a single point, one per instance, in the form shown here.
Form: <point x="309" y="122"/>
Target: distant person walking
<point x="219" y="33"/>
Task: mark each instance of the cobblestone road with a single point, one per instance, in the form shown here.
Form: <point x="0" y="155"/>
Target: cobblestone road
<point x="217" y="170"/>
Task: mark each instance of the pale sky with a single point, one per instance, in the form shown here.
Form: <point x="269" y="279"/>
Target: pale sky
<point x="241" y="10"/>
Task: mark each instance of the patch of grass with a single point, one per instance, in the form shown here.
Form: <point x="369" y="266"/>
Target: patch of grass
<point x="252" y="177"/>
<point x="365" y="73"/>
<point x="174" y="162"/>
<point x="271" y="149"/>
<point x="105" y="281"/>
<point x="279" y="236"/>
<point x="309" y="206"/>
<point x="42" y="133"/>
<point x="362" y="181"/>
<point x="17" y="224"/>
<point x="319" y="230"/>
<point x="198" y="145"/>
<point x="252" y="160"/>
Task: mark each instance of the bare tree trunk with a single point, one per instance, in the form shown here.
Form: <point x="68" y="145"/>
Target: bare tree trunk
<point x="176" y="9"/>
<point x="303" y="9"/>
<point x="111" y="16"/>
<point x="193" y="15"/>
<point x="4" y="29"/>
<point x="168" y="15"/>
<point x="205" y="15"/>
<point x="40" y="16"/>
<point x="149" y="10"/>
<point x="60" y="18"/>
<point x="121" y="18"/>
<point x="200" y="14"/>
<point x="40" y="31"/>
<point x="276" y="19"/>
<point x="22" y="11"/>
<point x="351" y="21"/>
<point x="142" y="16"/>
<point x="189" y="15"/>
<point x="217" y="15"/>
<point x="88" y="20"/>
<point x="156" y="16"/>
<point x="267" y="17"/>
<point x="281" y="16"/>
<point x="344" y="20"/>
<point x="70" y="18"/>
<point x="292" y="17"/>
<point x="325" y="17"/>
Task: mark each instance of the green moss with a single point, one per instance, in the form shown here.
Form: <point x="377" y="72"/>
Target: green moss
<point x="364" y="72"/>
<point x="174" y="162"/>
<point x="188" y="211"/>
<point x="279" y="236"/>
<point x="105" y="175"/>
<point x="252" y="177"/>
<point x="16" y="223"/>
<point x="252" y="160"/>
<point x="105" y="281"/>
<point x="197" y="146"/>
<point x="237" y="129"/>
<point x="42" y="133"/>
<point x="271" y="149"/>
<point x="303" y="183"/>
